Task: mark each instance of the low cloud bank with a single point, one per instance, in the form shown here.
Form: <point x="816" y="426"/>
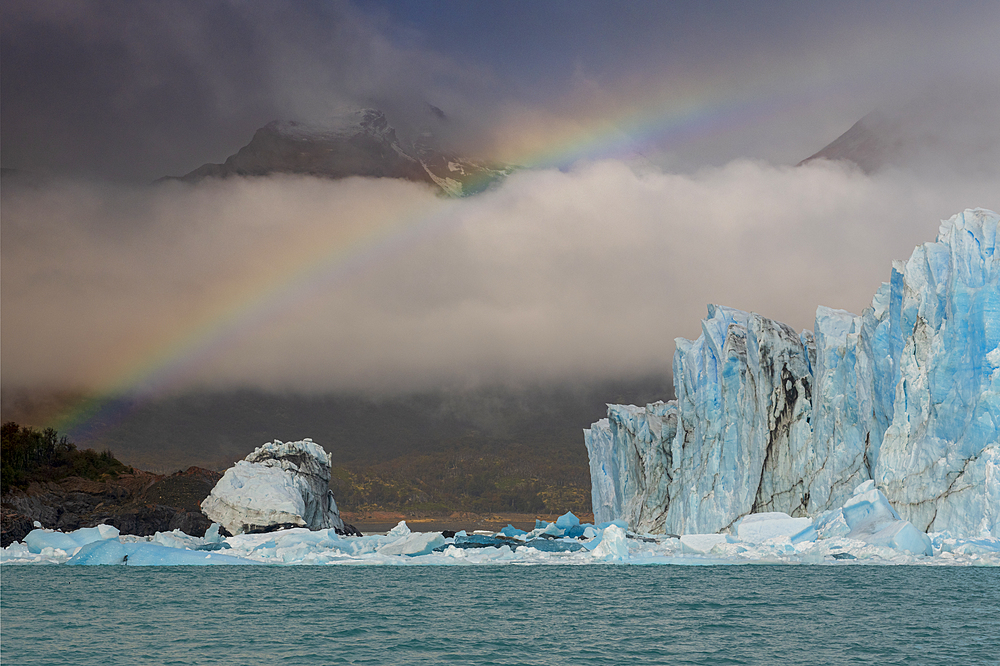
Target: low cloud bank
<point x="375" y="285"/>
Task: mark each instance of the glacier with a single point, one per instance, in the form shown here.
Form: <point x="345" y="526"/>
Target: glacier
<point x="905" y="396"/>
<point x="279" y="484"/>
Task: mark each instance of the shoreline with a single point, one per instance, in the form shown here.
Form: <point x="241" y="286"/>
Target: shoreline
<point x="374" y="522"/>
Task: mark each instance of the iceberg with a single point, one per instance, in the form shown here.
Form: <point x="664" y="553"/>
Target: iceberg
<point x="113" y="551"/>
<point x="765" y="420"/>
<point x="39" y="539"/>
<point x="758" y="527"/>
<point x="278" y="485"/>
<point x="866" y="530"/>
<point x="416" y="543"/>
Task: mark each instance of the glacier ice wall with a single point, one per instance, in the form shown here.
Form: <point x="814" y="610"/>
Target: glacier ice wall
<point x="907" y="394"/>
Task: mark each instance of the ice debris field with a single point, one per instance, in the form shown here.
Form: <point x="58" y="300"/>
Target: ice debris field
<point x="866" y="530"/>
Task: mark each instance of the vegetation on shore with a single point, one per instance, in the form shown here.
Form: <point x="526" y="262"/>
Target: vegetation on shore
<point x="28" y="455"/>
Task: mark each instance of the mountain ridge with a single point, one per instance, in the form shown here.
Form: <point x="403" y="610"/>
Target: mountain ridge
<point x="358" y="143"/>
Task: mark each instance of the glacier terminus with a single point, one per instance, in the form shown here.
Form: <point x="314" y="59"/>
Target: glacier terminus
<point x="903" y="400"/>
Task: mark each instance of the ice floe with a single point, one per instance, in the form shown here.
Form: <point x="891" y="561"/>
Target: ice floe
<point x="866" y="530"/>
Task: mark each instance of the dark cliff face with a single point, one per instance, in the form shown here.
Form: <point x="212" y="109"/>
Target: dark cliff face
<point x="365" y="145"/>
<point x="140" y="504"/>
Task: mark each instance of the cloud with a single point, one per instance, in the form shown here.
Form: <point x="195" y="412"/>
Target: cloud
<point x="135" y="91"/>
<point x="377" y="285"/>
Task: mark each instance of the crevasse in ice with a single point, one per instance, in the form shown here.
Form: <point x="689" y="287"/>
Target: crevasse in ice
<point x="766" y="420"/>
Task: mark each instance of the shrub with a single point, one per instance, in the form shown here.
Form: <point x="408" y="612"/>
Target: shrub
<point x="28" y="455"/>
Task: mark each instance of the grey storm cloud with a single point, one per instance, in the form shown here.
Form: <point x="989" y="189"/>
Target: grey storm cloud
<point x="135" y="91"/>
<point x="313" y="285"/>
<point x="586" y="271"/>
<point x="132" y="91"/>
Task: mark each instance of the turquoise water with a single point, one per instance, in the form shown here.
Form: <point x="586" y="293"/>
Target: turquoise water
<point x="500" y="615"/>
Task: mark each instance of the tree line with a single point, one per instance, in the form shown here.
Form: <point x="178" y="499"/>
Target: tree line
<point x="28" y="455"/>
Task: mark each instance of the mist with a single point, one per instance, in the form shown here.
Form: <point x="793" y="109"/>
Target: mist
<point x="378" y="286"/>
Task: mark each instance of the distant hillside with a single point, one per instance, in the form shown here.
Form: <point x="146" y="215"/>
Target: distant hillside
<point x="488" y="449"/>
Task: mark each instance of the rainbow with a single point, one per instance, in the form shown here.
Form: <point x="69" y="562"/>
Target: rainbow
<point x="161" y="365"/>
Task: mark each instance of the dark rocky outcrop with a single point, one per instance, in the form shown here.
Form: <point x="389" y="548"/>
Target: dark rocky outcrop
<point x="13" y="527"/>
<point x="139" y="503"/>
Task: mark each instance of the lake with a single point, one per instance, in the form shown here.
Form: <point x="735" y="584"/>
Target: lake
<point x="596" y="614"/>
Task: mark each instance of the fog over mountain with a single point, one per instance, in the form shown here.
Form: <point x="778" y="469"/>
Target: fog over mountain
<point x="655" y="150"/>
<point x="360" y="143"/>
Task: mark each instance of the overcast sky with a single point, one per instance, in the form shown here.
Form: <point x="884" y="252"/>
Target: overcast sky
<point x="136" y="90"/>
<point x="661" y="139"/>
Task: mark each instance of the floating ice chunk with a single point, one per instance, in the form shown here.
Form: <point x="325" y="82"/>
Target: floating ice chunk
<point x="902" y="536"/>
<point x="613" y="545"/>
<point x="277" y="484"/>
<point x="145" y="554"/>
<point x="417" y="543"/>
<point x="831" y="524"/>
<point x="510" y="531"/>
<point x="551" y="529"/>
<point x="700" y="543"/>
<point x="178" y="539"/>
<point x="554" y="545"/>
<point x="38" y="539"/>
<point x="212" y="534"/>
<point x="868" y="507"/>
<point x="984" y="546"/>
<point x="17" y="553"/>
<point x="868" y="511"/>
<point x="567" y="521"/>
<point x="400" y="529"/>
<point x="869" y="517"/>
<point x="759" y="527"/>
<point x="466" y="541"/>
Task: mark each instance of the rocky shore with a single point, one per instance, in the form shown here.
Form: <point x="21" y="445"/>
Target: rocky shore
<point x="140" y="503"/>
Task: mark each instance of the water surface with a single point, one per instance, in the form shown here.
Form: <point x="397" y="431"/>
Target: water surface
<point x="500" y="615"/>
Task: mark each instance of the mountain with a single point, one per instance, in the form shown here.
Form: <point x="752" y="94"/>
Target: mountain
<point x="906" y="395"/>
<point x="360" y="143"/>
<point x="871" y="143"/>
<point x="953" y="130"/>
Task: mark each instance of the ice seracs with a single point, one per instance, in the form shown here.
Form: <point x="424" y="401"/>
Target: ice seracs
<point x="280" y="484"/>
<point x="768" y="420"/>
